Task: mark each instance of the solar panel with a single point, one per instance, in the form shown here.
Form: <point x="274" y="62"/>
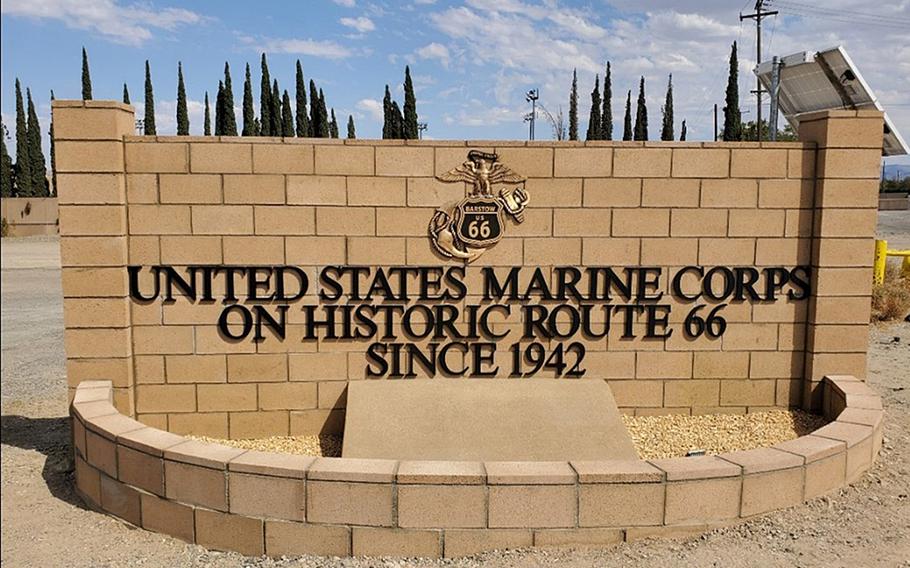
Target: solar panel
<point x="826" y="80"/>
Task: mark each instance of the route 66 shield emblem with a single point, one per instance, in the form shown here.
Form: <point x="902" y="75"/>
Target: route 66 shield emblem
<point x="465" y="229"/>
<point x="479" y="221"/>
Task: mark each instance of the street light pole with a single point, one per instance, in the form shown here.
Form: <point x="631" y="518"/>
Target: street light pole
<point x="532" y="97"/>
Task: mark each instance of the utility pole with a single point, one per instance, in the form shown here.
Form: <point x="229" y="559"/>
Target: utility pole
<point x="532" y="97"/>
<point x="757" y="16"/>
<point x="421" y="126"/>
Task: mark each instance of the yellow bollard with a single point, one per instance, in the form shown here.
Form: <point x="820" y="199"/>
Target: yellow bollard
<point x="881" y="260"/>
<point x="905" y="267"/>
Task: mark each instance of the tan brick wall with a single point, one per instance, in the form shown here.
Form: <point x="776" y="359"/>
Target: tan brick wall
<point x="94" y="243"/>
<point x="314" y="203"/>
<point x="843" y="232"/>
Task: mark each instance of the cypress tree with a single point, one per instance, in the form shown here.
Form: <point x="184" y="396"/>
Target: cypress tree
<point x="126" y="95"/>
<point x="594" y="118"/>
<point x="23" y="161"/>
<point x="313" y="127"/>
<point x="207" y="121"/>
<point x="265" y="100"/>
<point x="352" y="134"/>
<point x="333" y="126"/>
<point x="606" y="117"/>
<point x="36" y="155"/>
<point x="6" y="165"/>
<point x="275" y="111"/>
<point x="387" y="118"/>
<point x="53" y="148"/>
<point x="249" y="115"/>
<point x="149" y="121"/>
<point x="732" y="117"/>
<point x="666" y="130"/>
<point x="683" y="132"/>
<point x="86" y="78"/>
<point x="287" y="116"/>
<point x="573" y="107"/>
<point x="397" y="121"/>
<point x="303" y="123"/>
<point x="409" y="127"/>
<point x="627" y="121"/>
<point x="183" y="117"/>
<point x="641" y="114"/>
<point x="229" y="125"/>
<point x="325" y="130"/>
<point x="219" y="110"/>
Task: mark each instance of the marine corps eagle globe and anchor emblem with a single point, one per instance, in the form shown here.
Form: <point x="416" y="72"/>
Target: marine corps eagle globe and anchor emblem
<point x="467" y="228"/>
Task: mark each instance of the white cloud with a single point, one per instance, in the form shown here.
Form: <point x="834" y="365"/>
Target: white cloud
<point x="345" y="3"/>
<point x="479" y="114"/>
<point x="326" y="49"/>
<point x="361" y="24"/>
<point x="504" y="47"/>
<point x="130" y="24"/>
<point x="371" y="107"/>
<point x="435" y="51"/>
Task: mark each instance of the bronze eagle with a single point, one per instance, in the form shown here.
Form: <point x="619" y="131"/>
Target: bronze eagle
<point x="482" y="170"/>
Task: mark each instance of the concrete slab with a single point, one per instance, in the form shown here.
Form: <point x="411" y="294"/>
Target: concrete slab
<point x="484" y="420"/>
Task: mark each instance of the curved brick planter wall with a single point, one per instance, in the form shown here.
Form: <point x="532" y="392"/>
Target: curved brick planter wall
<point x="263" y="503"/>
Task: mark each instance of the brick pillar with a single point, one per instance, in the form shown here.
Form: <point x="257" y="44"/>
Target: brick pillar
<point x="93" y="243"/>
<point x="846" y="207"/>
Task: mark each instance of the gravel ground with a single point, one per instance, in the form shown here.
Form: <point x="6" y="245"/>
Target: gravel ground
<point x="325" y="446"/>
<point x="674" y="435"/>
<point x="654" y="437"/>
<point x="45" y="525"/>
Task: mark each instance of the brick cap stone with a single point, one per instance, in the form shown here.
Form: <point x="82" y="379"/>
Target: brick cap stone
<point x="529" y="473"/>
<point x="857" y="387"/>
<point x="202" y="454"/>
<point x="92" y="410"/>
<point x="113" y="425"/>
<point x="353" y="469"/>
<point x="441" y="472"/>
<point x="699" y="467"/>
<point x="828" y="114"/>
<point x="761" y="460"/>
<point x="852" y="434"/>
<point x="93" y="394"/>
<point x="150" y="440"/>
<point x="865" y="416"/>
<point x="273" y="464"/>
<point x="812" y="448"/>
<point x="115" y="105"/>
<point x="866" y="401"/>
<point x="617" y="471"/>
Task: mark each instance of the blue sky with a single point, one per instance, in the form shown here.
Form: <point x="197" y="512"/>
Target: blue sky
<point x="471" y="60"/>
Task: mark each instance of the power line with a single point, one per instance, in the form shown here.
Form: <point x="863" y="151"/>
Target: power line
<point x="839" y="12"/>
<point x="844" y="20"/>
<point x="843" y="16"/>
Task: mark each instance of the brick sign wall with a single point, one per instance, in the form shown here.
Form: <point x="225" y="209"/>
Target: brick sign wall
<point x="798" y="215"/>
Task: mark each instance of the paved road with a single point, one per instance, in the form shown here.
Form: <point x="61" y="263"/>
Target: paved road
<point x="31" y="316"/>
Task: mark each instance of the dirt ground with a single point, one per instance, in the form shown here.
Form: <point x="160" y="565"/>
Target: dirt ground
<point x="45" y="525"/>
